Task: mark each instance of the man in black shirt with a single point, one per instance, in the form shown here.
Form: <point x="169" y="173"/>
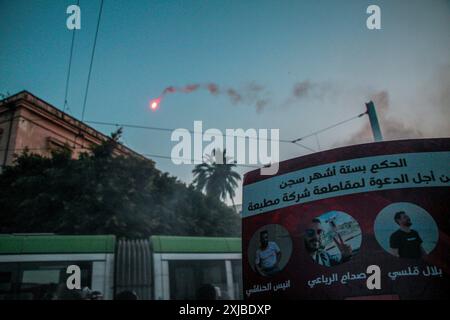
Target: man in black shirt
<point x="406" y="242"/>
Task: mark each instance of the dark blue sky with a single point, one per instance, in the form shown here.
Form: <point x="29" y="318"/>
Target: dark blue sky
<point x="145" y="46"/>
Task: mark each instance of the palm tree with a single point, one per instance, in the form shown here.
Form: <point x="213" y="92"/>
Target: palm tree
<point x="216" y="176"/>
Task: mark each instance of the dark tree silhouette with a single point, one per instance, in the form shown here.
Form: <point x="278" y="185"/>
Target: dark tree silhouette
<point x="216" y="176"/>
<point x="100" y="193"/>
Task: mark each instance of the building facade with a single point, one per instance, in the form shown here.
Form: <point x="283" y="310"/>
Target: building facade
<point x="28" y="122"/>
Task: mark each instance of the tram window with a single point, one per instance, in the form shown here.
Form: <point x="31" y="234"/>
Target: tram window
<point x="47" y="280"/>
<point x="236" y="266"/>
<point x="40" y="280"/>
<point x="5" y="281"/>
<point x="5" y="284"/>
<point x="8" y="273"/>
<point x="187" y="276"/>
<point x="40" y="276"/>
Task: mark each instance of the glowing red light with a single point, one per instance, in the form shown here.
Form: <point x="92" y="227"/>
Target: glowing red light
<point x="154" y="104"/>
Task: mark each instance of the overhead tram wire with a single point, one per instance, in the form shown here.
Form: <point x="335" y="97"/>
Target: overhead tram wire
<point x="144" y="154"/>
<point x="134" y="126"/>
<point x="70" y="67"/>
<point x="92" y="60"/>
<point x="290" y="141"/>
<point x="328" y="128"/>
<point x="125" y="125"/>
<point x="170" y="158"/>
<point x="295" y="141"/>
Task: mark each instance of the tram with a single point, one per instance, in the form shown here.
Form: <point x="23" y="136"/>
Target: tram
<point x="157" y="268"/>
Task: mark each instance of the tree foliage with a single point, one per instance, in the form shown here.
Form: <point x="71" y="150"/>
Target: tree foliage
<point x="99" y="193"/>
<point x="216" y="176"/>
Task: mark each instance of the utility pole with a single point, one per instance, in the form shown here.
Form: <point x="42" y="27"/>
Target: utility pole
<point x="372" y="113"/>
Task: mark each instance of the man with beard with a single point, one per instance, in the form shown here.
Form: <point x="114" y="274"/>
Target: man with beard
<point x="315" y="247"/>
<point x="268" y="255"/>
<point x="406" y="242"/>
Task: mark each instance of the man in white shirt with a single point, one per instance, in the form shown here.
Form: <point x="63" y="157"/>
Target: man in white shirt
<point x="268" y="255"/>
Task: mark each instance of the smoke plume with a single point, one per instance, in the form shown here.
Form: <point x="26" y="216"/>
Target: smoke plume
<point x="308" y="89"/>
<point x="252" y="94"/>
<point x="433" y="96"/>
<point x="391" y="128"/>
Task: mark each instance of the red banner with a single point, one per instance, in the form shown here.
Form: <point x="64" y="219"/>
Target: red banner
<point x="361" y="222"/>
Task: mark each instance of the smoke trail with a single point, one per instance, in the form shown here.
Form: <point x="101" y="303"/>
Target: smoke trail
<point x="307" y="89"/>
<point x="234" y="96"/>
<point x="252" y="94"/>
<point x="191" y="88"/>
<point x="303" y="89"/>
<point x="256" y="95"/>
<point x="213" y="88"/>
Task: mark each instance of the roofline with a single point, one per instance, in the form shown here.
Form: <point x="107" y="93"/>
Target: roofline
<point x="78" y="124"/>
<point x="195" y="244"/>
<point x="56" y="244"/>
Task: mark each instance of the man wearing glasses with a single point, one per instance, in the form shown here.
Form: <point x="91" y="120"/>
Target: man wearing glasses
<point x="314" y="246"/>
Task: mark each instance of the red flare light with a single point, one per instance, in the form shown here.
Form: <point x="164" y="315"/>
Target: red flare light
<point x="154" y="104"/>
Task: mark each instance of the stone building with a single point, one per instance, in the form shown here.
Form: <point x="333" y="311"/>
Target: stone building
<point x="27" y="121"/>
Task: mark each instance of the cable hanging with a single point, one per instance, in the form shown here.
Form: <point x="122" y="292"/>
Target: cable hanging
<point x="295" y="141"/>
<point x="125" y="125"/>
<point x="65" y="107"/>
<point x="151" y="155"/>
<point x="92" y="60"/>
<point x="328" y="128"/>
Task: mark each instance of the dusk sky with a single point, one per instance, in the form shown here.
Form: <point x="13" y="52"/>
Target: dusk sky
<point x="323" y="47"/>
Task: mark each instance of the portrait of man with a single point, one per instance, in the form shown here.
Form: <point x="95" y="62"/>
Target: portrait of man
<point x="268" y="255"/>
<point x="405" y="242"/>
<point x="314" y="244"/>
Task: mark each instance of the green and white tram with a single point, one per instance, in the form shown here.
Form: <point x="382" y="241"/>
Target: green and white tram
<point x="161" y="267"/>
